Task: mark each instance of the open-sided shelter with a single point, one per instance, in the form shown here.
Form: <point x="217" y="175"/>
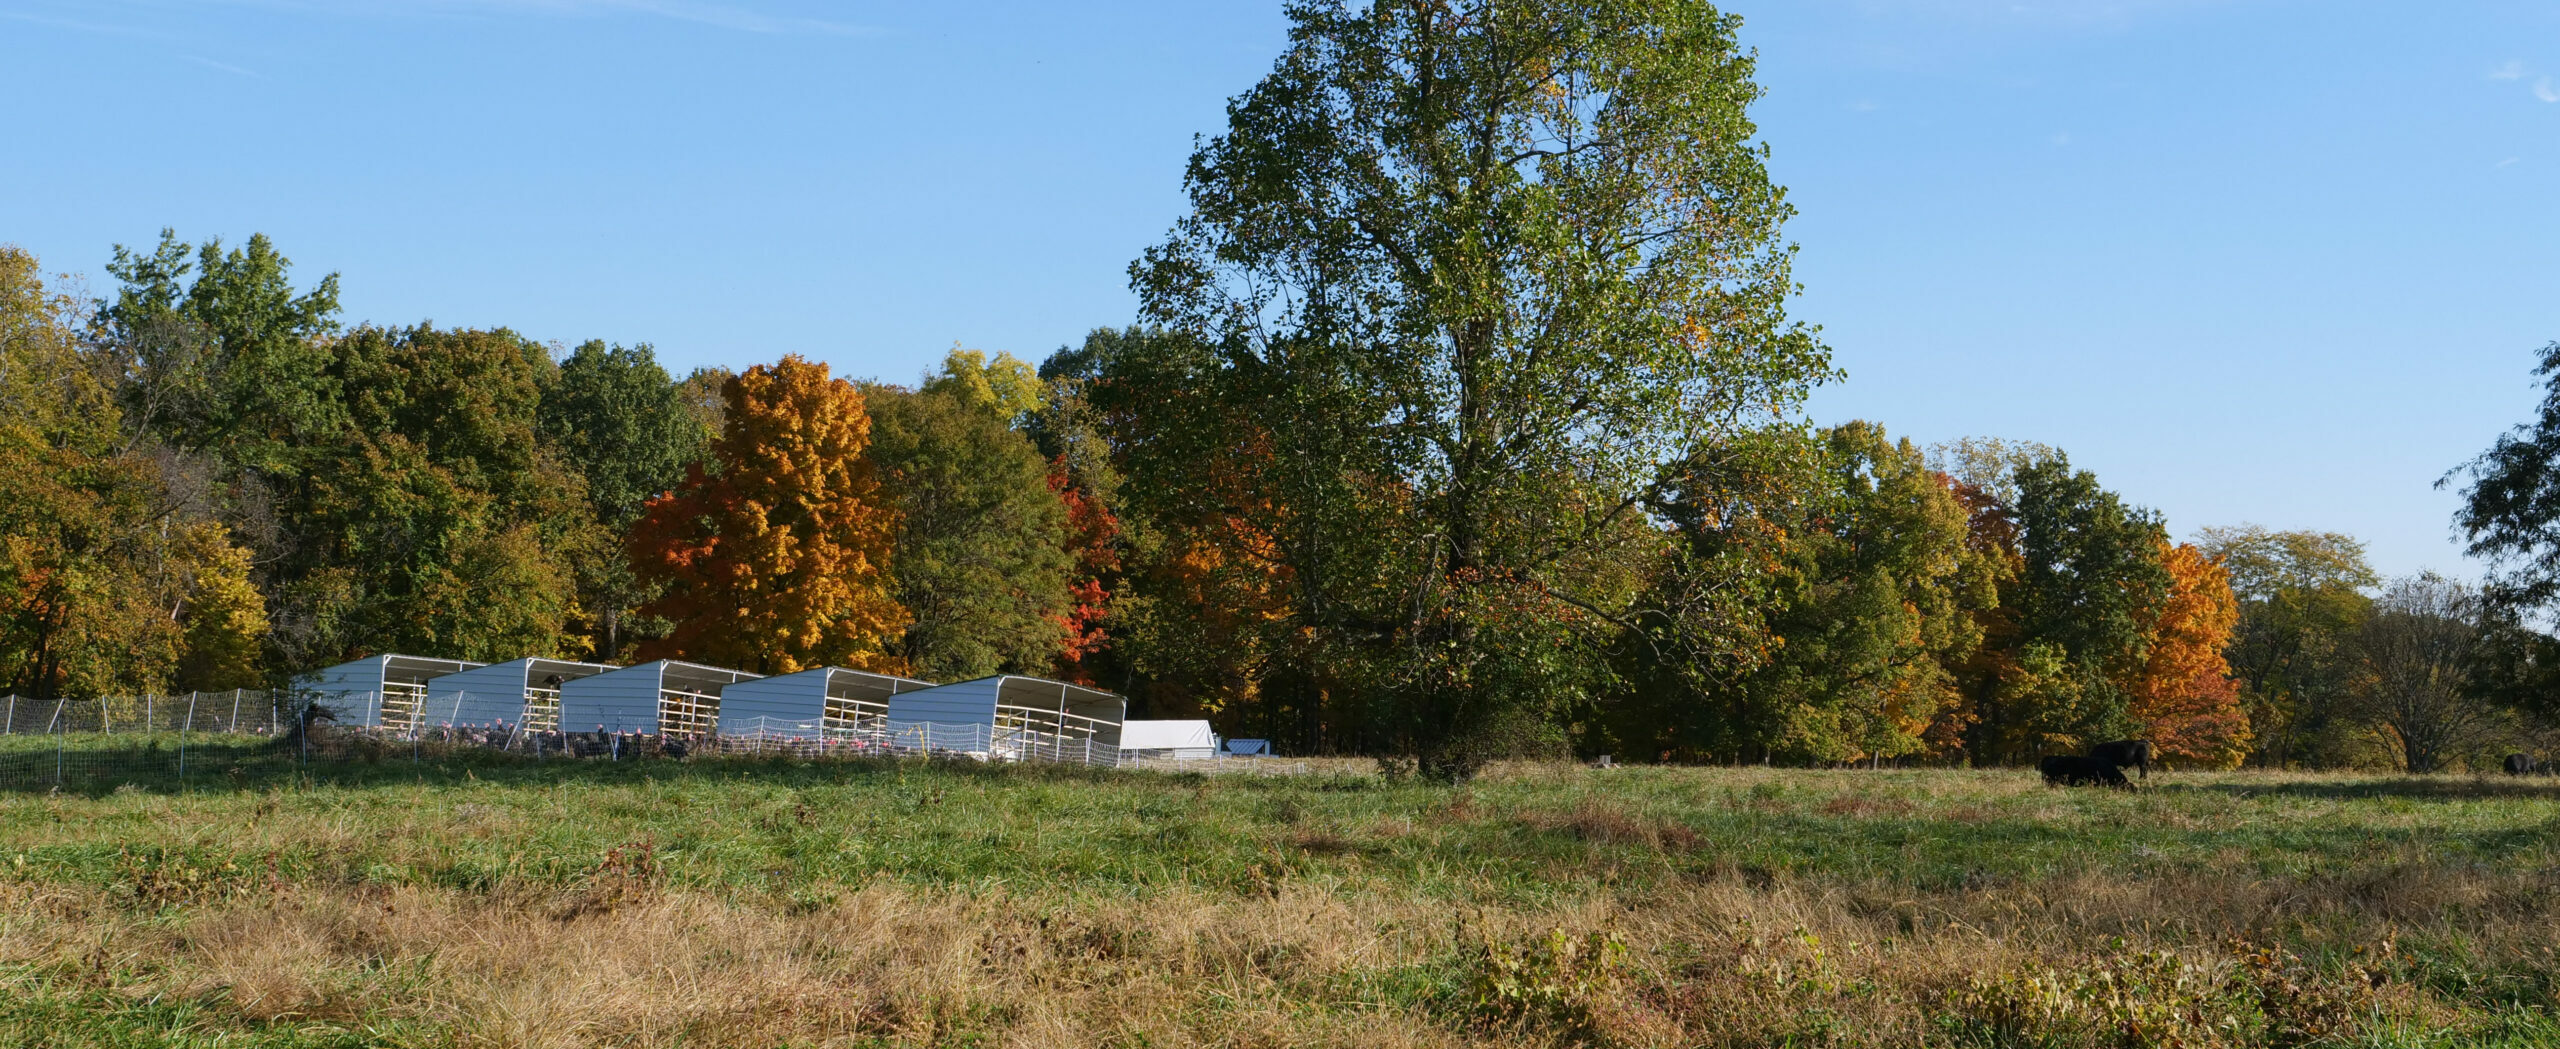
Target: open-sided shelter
<point x="1011" y="717"/>
<point x="662" y="698"/>
<point x="386" y="691"/>
<point x="811" y="703"/>
<point x="524" y="693"/>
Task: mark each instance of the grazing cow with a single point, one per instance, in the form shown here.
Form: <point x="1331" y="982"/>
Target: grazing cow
<point x="2519" y="764"/>
<point x="2073" y="770"/>
<point x="2125" y="752"/>
<point x="2058" y="768"/>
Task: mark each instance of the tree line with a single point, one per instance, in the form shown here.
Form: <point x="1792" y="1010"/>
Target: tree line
<point x="1461" y="419"/>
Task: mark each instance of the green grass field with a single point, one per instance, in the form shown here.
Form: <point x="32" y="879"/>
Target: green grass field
<point x="489" y="901"/>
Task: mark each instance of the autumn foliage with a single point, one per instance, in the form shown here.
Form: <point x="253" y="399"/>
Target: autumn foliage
<point x="1093" y="536"/>
<point x="2186" y="694"/>
<point x="778" y="561"/>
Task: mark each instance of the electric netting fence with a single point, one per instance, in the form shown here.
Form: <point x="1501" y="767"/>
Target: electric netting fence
<point x="103" y="744"/>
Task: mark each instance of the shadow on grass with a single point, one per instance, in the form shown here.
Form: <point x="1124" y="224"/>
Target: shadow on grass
<point x="159" y="765"/>
<point x="2413" y="788"/>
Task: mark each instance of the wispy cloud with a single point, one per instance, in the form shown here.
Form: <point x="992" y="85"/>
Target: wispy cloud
<point x="739" y="15"/>
<point x="76" y="24"/>
<point x="2057" y="13"/>
<point x="224" y="67"/>
<point x="2509" y="162"/>
<point x="2514" y="69"/>
<point x="725" y="16"/>
<point x="731" y="16"/>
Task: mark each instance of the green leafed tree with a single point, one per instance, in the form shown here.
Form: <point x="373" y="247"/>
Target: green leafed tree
<point x="437" y="521"/>
<point x="2511" y="501"/>
<point x="1481" y="273"/>
<point x="981" y="559"/>
<point x="2302" y="603"/>
<point x="1879" y="597"/>
<point x="1866" y="591"/>
<point x="623" y="425"/>
<point x="221" y="354"/>
<point x="2092" y="571"/>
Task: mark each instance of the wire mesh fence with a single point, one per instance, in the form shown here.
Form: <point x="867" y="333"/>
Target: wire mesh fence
<point x="103" y="744"/>
<point x="237" y="712"/>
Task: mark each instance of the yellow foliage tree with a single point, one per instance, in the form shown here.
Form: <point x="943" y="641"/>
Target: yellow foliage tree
<point x="1006" y="383"/>
<point x="225" y="615"/>
<point x="84" y="600"/>
<point x="779" y="561"/>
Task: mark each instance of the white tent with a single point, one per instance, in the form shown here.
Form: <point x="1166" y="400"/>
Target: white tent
<point x="810" y="703"/>
<point x="523" y="692"/>
<point x="665" y="697"/>
<point x="1184" y="740"/>
<point x="379" y="691"/>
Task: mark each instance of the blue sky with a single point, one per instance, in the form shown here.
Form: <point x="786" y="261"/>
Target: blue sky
<point x="2249" y="260"/>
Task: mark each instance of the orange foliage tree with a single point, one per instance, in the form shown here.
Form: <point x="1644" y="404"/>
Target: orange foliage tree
<point x="780" y="561"/>
<point x="2185" y="693"/>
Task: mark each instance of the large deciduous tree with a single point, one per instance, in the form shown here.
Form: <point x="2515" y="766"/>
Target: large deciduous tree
<point x="109" y="582"/>
<point x="779" y="560"/>
<point x="981" y="559"/>
<point x="2184" y="699"/>
<point x="2301" y="601"/>
<point x="2090" y="584"/>
<point x="618" y="420"/>
<point x="1871" y="591"/>
<point x="1482" y="273"/>
<point x="2511" y="501"/>
<point x="2415" y="655"/>
<point x="435" y="520"/>
<point x="221" y="354"/>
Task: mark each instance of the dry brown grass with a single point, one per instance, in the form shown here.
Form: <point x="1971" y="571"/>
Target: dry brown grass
<point x="1719" y="961"/>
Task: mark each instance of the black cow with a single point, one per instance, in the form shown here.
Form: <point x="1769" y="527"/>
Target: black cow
<point x="2519" y="764"/>
<point x="2074" y="770"/>
<point x="2135" y="753"/>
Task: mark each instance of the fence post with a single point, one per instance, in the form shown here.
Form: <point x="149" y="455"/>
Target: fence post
<point x="182" y="738"/>
<point x="57" y="717"/>
<point x="147" y="720"/>
<point x="59" y="739"/>
<point x="235" y="711"/>
<point x="11" y="725"/>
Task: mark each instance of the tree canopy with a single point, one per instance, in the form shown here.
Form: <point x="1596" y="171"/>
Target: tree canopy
<point x="778" y="561"/>
<point x="1480" y="274"/>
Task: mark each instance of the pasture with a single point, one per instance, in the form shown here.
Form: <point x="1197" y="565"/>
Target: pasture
<point x="489" y="901"/>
